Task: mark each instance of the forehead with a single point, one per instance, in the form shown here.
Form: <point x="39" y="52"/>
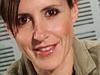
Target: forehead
<point x="39" y="3"/>
<point x="42" y="1"/>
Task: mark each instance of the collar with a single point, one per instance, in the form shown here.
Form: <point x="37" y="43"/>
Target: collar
<point x="83" y="62"/>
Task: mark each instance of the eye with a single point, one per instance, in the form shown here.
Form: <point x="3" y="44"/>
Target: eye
<point x="23" y="19"/>
<point x="51" y="12"/>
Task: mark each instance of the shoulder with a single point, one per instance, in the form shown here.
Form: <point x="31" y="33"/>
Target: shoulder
<point x="94" y="50"/>
<point x="92" y="46"/>
<point x="87" y="53"/>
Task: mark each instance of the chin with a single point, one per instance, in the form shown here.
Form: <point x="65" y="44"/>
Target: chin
<point x="48" y="66"/>
<point x="49" y="61"/>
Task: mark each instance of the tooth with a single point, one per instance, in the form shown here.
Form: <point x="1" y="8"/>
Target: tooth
<point x="48" y="48"/>
<point x="45" y="49"/>
<point x="51" y="51"/>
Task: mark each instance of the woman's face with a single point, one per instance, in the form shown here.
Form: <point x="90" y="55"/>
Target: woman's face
<point x="45" y="31"/>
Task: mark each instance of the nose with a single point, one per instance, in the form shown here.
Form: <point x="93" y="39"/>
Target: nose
<point x="40" y="32"/>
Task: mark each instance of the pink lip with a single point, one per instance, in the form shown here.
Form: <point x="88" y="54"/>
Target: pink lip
<point x="39" y="52"/>
<point x="39" y="47"/>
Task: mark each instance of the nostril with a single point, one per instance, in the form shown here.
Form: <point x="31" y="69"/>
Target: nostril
<point x="40" y="32"/>
<point x="35" y="42"/>
<point x="40" y="36"/>
<point x="38" y="40"/>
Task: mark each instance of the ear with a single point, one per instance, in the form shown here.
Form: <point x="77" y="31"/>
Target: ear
<point x="74" y="11"/>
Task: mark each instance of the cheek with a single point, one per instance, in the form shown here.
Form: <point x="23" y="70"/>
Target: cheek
<point x="62" y="27"/>
<point x="23" y="42"/>
<point x="20" y="41"/>
<point x="24" y="34"/>
<point x="23" y="38"/>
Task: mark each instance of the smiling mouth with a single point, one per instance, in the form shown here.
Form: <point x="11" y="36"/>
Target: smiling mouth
<point x="45" y="50"/>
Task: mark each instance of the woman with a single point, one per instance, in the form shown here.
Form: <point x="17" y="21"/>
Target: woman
<point x="43" y="30"/>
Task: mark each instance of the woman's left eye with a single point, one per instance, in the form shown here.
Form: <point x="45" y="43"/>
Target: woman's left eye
<point x="51" y="12"/>
<point x="23" y="19"/>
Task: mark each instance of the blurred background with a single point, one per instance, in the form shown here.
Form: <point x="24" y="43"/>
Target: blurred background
<point x="87" y="26"/>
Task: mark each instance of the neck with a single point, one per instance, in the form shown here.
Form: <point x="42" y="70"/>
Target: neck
<point x="65" y="68"/>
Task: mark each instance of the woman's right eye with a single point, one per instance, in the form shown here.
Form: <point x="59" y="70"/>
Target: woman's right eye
<point x="23" y="19"/>
<point x="50" y="12"/>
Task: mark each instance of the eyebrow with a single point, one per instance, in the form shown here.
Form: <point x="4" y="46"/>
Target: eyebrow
<point x="25" y="14"/>
<point x="50" y="6"/>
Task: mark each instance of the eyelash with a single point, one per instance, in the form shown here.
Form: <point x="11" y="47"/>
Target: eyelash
<point x="23" y="19"/>
<point x="52" y="12"/>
